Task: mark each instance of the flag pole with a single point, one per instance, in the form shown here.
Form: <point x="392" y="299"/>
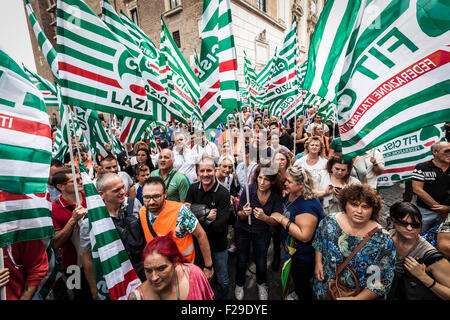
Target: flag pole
<point x="72" y="124"/>
<point x="2" y="265"/>
<point x="241" y="129"/>
<point x="69" y="141"/>
<point x="295" y="129"/>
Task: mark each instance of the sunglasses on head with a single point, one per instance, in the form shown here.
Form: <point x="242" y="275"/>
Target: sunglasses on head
<point x="414" y="225"/>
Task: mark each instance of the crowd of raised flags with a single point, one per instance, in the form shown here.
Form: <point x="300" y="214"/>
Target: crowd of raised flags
<point x="377" y="78"/>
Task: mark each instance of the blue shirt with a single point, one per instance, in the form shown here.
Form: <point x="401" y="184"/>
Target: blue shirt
<point x="273" y="204"/>
<point x="305" y="251"/>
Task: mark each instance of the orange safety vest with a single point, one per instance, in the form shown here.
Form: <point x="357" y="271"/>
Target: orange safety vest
<point x="165" y="222"/>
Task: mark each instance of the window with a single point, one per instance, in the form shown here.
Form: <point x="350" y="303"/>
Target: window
<point x="174" y="3"/>
<point x="176" y="38"/>
<point x="134" y="16"/>
<point x="262" y="5"/>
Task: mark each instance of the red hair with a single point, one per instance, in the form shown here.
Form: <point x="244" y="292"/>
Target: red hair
<point x="165" y="246"/>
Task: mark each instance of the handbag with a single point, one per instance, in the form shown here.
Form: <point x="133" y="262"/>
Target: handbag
<point x="335" y="288"/>
<point x="201" y="211"/>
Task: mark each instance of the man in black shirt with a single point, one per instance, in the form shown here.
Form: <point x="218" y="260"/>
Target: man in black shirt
<point x="431" y="184"/>
<point x="208" y="191"/>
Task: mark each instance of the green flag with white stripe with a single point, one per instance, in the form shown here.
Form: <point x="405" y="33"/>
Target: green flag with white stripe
<point x="47" y="49"/>
<point x="182" y="83"/>
<point x="384" y="64"/>
<point x="283" y="86"/>
<point x="219" y="87"/>
<point x="25" y="135"/>
<point x="96" y="71"/>
<point x="112" y="267"/>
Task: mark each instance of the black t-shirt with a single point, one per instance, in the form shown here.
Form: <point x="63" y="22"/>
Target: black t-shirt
<point x="436" y="182"/>
<point x="218" y="198"/>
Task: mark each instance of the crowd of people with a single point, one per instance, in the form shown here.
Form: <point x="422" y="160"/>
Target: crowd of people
<point x="183" y="209"/>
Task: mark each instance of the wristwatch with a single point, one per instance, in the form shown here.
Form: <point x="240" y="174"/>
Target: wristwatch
<point x="209" y="267"/>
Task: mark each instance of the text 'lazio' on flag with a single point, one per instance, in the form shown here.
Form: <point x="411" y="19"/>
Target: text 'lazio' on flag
<point x="96" y="71"/>
<point x="25" y="135"/>
<point x="388" y="70"/>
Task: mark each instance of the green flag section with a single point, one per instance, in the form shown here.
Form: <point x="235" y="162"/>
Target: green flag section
<point x="153" y="62"/>
<point x="25" y="217"/>
<point x="262" y="80"/>
<point x="60" y="149"/>
<point x="47" y="49"/>
<point x="402" y="154"/>
<point x="92" y="129"/>
<point x="114" y="274"/>
<point x="132" y="129"/>
<point x="219" y="87"/>
<point x="47" y="89"/>
<point x="294" y="104"/>
<point x="250" y="81"/>
<point x="96" y="71"/>
<point x="182" y="83"/>
<point x="25" y="135"/>
<point x="387" y="72"/>
<point x="283" y="82"/>
<point x="147" y="63"/>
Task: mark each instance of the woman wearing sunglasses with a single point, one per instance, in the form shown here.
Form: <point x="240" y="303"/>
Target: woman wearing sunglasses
<point x="421" y="271"/>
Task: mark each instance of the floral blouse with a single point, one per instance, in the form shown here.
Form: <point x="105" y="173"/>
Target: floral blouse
<point x="373" y="265"/>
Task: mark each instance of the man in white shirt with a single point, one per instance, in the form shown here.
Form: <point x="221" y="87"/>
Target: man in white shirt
<point x="184" y="158"/>
<point x="203" y="146"/>
<point x="375" y="165"/>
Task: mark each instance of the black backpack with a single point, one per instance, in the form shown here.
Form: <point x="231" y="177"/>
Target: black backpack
<point x="132" y="236"/>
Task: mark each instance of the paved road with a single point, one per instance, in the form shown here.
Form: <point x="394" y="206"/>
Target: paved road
<point x="389" y="196"/>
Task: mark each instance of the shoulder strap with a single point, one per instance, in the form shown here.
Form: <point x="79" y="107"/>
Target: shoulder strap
<point x="150" y="227"/>
<point x="170" y="179"/>
<point x="130" y="206"/>
<point x="341" y="267"/>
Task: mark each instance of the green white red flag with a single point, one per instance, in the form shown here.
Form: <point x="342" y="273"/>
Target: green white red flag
<point x="25" y="135"/>
<point x="147" y="63"/>
<point x="47" y="49"/>
<point x="25" y="217"/>
<point x="250" y="81"/>
<point x="402" y="154"/>
<point x="219" y="87"/>
<point x="284" y="75"/>
<point x="96" y="71"/>
<point x="182" y="84"/>
<point x="385" y="65"/>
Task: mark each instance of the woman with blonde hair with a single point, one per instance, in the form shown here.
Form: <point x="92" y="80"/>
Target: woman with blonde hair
<point x="313" y="160"/>
<point x="301" y="216"/>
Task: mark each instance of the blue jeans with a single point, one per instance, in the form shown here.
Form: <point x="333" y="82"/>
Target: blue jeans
<point x="220" y="262"/>
<point x="430" y="218"/>
<point x="260" y="243"/>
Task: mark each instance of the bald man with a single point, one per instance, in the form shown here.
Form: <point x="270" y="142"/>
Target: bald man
<point x="176" y="183"/>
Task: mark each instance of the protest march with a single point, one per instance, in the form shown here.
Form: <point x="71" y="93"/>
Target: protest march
<point x="140" y="162"/>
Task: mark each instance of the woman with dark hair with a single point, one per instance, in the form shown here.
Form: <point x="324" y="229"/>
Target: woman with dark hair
<point x="421" y="271"/>
<point x="253" y="226"/>
<point x="331" y="182"/>
<point x="142" y="157"/>
<point x="339" y="235"/>
<point x="168" y="278"/>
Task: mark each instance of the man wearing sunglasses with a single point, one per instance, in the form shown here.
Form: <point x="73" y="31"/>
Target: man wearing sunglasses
<point x="431" y="184"/>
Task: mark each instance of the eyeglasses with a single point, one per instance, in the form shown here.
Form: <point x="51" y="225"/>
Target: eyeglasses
<point x="155" y="197"/>
<point x="414" y="225"/>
